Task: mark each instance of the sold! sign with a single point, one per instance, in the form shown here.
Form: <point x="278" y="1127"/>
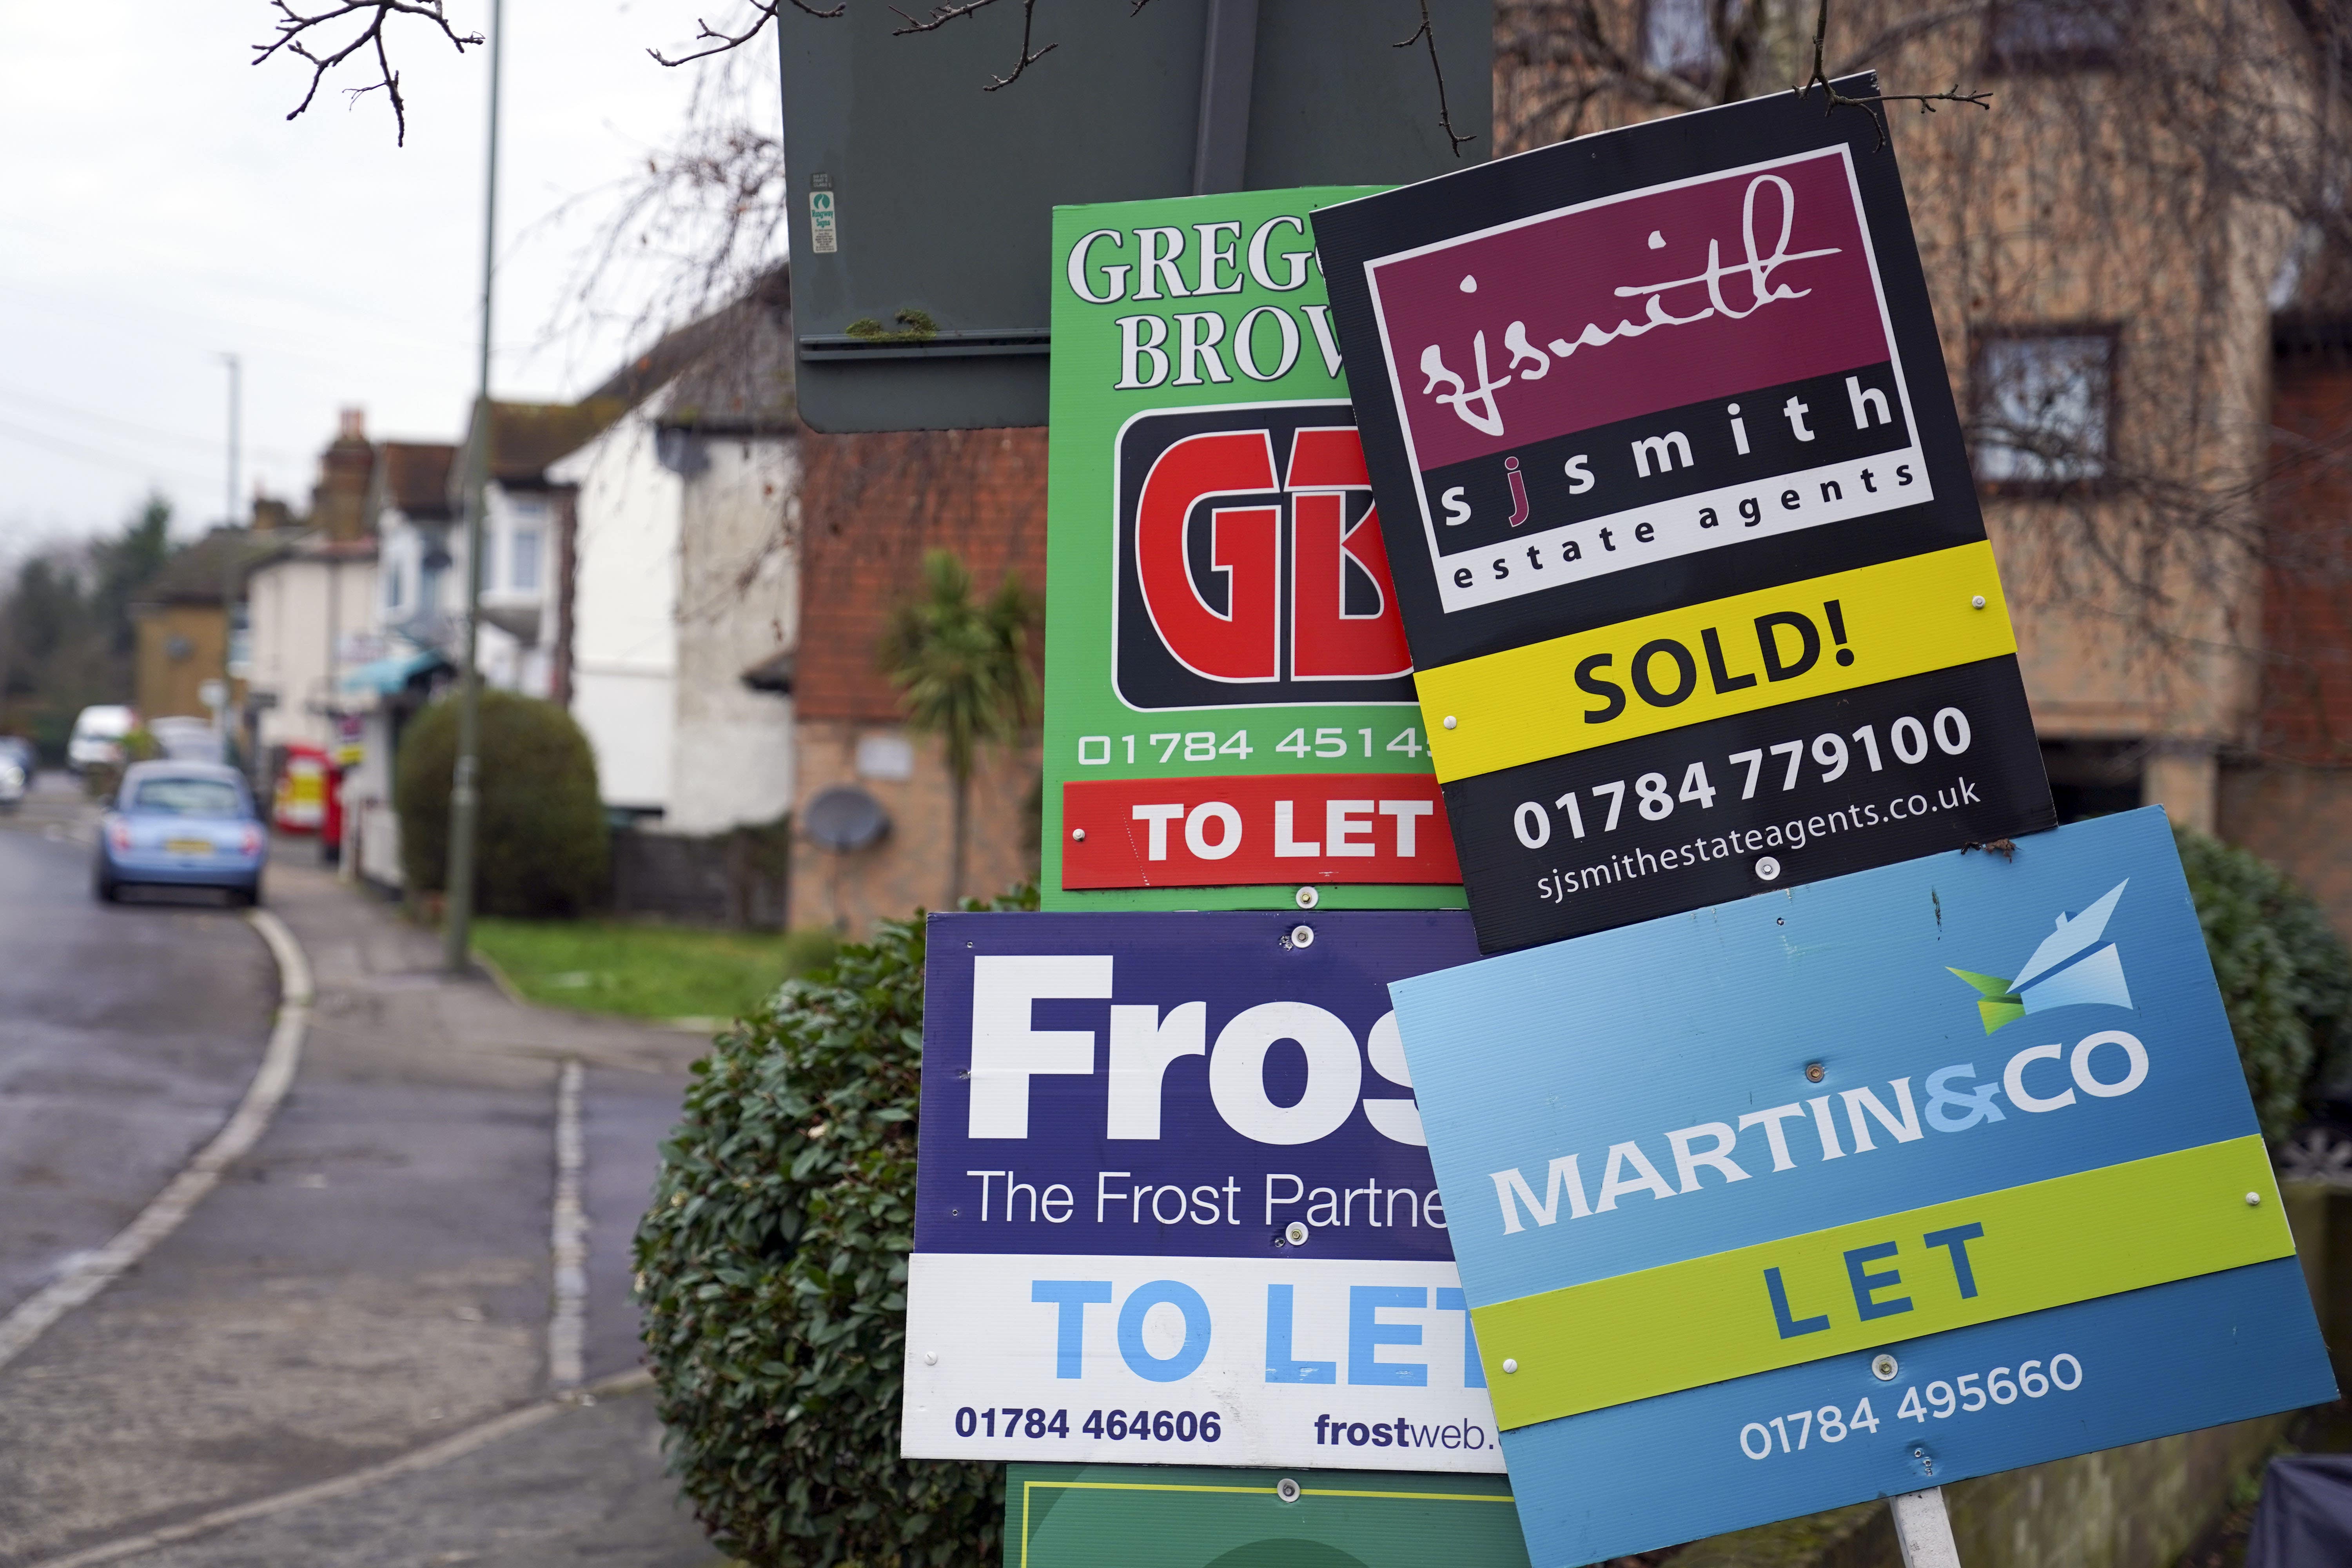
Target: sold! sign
<point x="1671" y="485"/>
<point x="1900" y="1178"/>
<point x="1229" y="713"/>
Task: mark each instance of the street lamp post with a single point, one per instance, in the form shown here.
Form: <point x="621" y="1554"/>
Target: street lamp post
<point x="465" y="795"/>
<point x="229" y="553"/>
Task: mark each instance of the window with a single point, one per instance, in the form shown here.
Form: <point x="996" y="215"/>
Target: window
<point x="2053" y="35"/>
<point x="2094" y="778"/>
<point x="523" y="559"/>
<point x="395" y="580"/>
<point x="2044" y="407"/>
<point x="1678" y="37"/>
<point x="189" y="797"/>
<point x="885" y="756"/>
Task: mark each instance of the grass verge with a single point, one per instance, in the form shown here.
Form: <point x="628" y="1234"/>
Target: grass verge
<point x="642" y="970"/>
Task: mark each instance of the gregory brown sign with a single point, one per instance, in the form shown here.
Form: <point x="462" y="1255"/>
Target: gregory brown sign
<point x="1681" y="529"/>
<point x="1229" y="701"/>
<point x="1646" y="377"/>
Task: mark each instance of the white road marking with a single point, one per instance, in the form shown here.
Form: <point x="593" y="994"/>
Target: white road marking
<point x="93" y="1271"/>
<point x="567" y="1327"/>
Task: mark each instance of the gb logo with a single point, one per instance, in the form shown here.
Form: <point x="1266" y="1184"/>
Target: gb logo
<point x="1251" y="570"/>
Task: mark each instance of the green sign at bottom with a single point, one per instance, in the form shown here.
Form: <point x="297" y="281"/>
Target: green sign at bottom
<point x="1080" y="1516"/>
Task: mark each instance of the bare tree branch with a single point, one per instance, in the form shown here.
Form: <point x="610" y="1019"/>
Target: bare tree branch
<point x="942" y="15"/>
<point x="295" y="34"/>
<point x="766" y="11"/>
<point x="1874" y="105"/>
<point x="294" y="24"/>
<point x="1426" y="34"/>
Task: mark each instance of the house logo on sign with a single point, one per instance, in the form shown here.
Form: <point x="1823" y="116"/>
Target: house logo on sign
<point x="824" y="239"/>
<point x="2062" y="971"/>
<point x="1251" y="567"/>
<point x="1649" y="376"/>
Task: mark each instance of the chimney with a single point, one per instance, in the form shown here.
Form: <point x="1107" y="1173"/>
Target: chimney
<point x="339" y="500"/>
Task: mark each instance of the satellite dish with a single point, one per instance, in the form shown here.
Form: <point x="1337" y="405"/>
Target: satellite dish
<point x="845" y="819"/>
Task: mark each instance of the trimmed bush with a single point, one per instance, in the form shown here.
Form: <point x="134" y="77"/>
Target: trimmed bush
<point x="2284" y="975"/>
<point x="773" y="1265"/>
<point x="772" y="1269"/>
<point x="540" y="845"/>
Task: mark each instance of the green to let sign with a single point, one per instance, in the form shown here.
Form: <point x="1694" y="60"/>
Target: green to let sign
<point x="1079" y="1516"/>
<point x="1230" y="719"/>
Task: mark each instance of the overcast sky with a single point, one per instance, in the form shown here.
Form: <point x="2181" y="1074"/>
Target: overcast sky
<point x="160" y="209"/>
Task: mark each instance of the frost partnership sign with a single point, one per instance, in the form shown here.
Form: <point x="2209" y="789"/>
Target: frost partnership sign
<point x="1229" y="713"/>
<point x="1173" y="1203"/>
<point x="1672" y="487"/>
<point x="1858" y="1188"/>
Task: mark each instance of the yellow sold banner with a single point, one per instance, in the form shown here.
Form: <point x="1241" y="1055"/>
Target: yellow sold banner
<point x="1852" y="1287"/>
<point x="1711" y="660"/>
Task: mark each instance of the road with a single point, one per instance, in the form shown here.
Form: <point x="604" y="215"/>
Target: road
<point x="130" y="1035"/>
<point x="342" y="1354"/>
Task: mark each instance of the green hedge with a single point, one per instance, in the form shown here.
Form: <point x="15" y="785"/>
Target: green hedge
<point x="540" y="845"/>
<point x="2284" y="975"/>
<point x="772" y="1266"/>
<point x="773" y="1271"/>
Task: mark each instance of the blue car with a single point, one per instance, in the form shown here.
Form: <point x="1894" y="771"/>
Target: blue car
<point x="182" y="825"/>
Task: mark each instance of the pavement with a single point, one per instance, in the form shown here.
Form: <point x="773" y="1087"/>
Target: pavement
<point x="342" y="1354"/>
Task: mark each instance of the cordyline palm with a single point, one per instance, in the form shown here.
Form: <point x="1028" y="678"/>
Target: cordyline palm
<point x="963" y="672"/>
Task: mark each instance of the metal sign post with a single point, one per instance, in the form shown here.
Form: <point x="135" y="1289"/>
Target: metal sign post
<point x="465" y="780"/>
<point x="1855" y="1189"/>
<point x="1923" y="1530"/>
<point x="1684" y="532"/>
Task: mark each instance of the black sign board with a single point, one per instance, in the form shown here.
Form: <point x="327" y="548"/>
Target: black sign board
<point x="922" y="201"/>
<point x="1682" y="526"/>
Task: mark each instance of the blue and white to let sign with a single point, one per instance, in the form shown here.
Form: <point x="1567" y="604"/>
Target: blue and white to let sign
<point x="1855" y="1189"/>
<point x="1173" y="1203"/>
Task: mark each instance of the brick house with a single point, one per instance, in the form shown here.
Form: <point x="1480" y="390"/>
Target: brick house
<point x="2108" y="248"/>
<point x="2286" y="795"/>
<point x="871" y="507"/>
<point x="180" y="620"/>
<point x="2106" y="305"/>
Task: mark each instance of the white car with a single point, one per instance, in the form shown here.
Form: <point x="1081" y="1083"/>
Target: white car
<point x="16" y="772"/>
<point x="188" y="740"/>
<point x="98" y="735"/>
